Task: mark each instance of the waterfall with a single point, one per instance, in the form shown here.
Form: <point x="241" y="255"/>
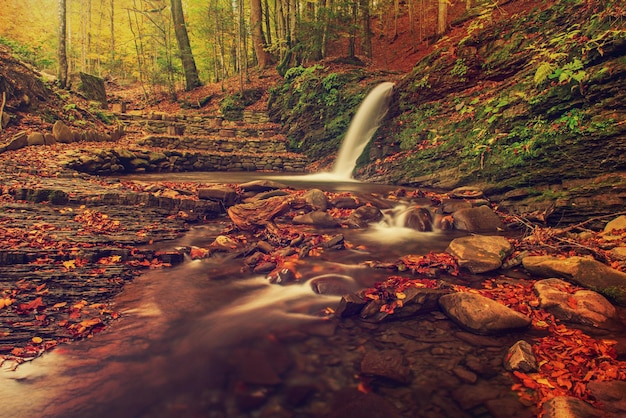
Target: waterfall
<point x="365" y="122"/>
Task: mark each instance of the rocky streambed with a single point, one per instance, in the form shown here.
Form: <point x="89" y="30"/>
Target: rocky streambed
<point x="257" y="299"/>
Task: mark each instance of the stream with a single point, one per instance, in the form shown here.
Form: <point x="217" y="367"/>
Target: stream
<point x="203" y="339"/>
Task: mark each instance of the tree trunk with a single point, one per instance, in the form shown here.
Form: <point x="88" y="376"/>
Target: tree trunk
<point x="442" y="17"/>
<point x="112" y="32"/>
<point x="258" y="39"/>
<point x="189" y="64"/>
<point x="366" y="29"/>
<point x="61" y="51"/>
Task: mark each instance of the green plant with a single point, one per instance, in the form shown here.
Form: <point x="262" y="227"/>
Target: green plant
<point x="422" y="83"/>
<point x="459" y="70"/>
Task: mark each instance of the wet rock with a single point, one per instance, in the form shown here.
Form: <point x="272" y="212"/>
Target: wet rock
<point x="452" y="205"/>
<point x="388" y="364"/>
<point x="62" y="133"/>
<point x="36" y="138"/>
<point x="298" y="394"/>
<point x="349" y="403"/>
<point x="467" y="192"/>
<point x="363" y="216"/>
<point x="248" y="216"/>
<point x="336" y="243"/>
<point x="316" y="199"/>
<point x="350" y="305"/>
<point x="520" y="357"/>
<point x="333" y="284"/>
<point x="478" y="253"/>
<point x="612" y="395"/>
<point x="582" y="306"/>
<point x="345" y="202"/>
<point x="19" y="140"/>
<point x="317" y="218"/>
<point x="479" y="220"/>
<point x="569" y="407"/>
<point x="226" y="195"/>
<point x="419" y="219"/>
<point x="465" y="375"/>
<point x="265" y="267"/>
<point x="583" y="271"/>
<point x="480" y="314"/>
<point x="469" y="396"/>
<point x="265" y="247"/>
<point x="508" y="406"/>
<point x="261" y="186"/>
<point x="268" y="194"/>
<point x="283" y="276"/>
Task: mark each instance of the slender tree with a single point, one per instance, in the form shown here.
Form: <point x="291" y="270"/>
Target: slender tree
<point x="442" y="17"/>
<point x="264" y="58"/>
<point x="180" y="29"/>
<point x="62" y="40"/>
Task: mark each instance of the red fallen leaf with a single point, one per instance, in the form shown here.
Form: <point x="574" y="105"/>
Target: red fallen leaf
<point x="33" y="304"/>
<point x="572" y="302"/>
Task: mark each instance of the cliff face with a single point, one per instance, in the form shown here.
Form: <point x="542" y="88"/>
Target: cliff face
<point x="529" y="104"/>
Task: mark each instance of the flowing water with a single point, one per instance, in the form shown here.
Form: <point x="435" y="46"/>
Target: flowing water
<point x="191" y="340"/>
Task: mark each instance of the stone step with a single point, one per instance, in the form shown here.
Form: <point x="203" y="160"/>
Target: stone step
<point x="113" y="161"/>
<point x="161" y="123"/>
<point x="273" y="144"/>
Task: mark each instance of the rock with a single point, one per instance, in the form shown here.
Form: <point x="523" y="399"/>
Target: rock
<point x="417" y="301"/>
<point x="19" y="140"/>
<point x="36" y="138"/>
<point x="454" y="205"/>
<point x="226" y="195"/>
<point x="520" y="357"/>
<point x="350" y="305"/>
<point x="466" y="192"/>
<point x="317" y="218"/>
<point x="612" y="395"/>
<point x="582" y="306"/>
<point x="583" y="271"/>
<point x="335" y="243"/>
<point x="333" y="284"/>
<point x="316" y="199"/>
<point x="93" y="87"/>
<point x="419" y="219"/>
<point x="480" y="219"/>
<point x="616" y="224"/>
<point x="6" y="118"/>
<point x="261" y="186"/>
<point x="363" y="216"/>
<point x="248" y="216"/>
<point x="478" y="253"/>
<point x="569" y="407"/>
<point x="388" y="364"/>
<point x="49" y="139"/>
<point x="345" y="202"/>
<point x="480" y="314"/>
<point x="62" y="133"/>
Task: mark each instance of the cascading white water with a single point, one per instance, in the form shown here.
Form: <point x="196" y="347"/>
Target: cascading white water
<point x="367" y="119"/>
<point x="365" y="122"/>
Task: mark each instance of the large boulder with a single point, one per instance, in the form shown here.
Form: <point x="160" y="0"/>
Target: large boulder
<point x="317" y="218"/>
<point x="481" y="315"/>
<point x="478" y="253"/>
<point x="35" y="138"/>
<point x="94" y="89"/>
<point x="316" y="199"/>
<point x="616" y="224"/>
<point x="226" y="195"/>
<point x="249" y="216"/>
<point x="19" y="140"/>
<point x="569" y="407"/>
<point x="480" y="219"/>
<point x="582" y="271"/>
<point x="363" y="216"/>
<point x="419" y="219"/>
<point x="62" y="133"/>
<point x="582" y="306"/>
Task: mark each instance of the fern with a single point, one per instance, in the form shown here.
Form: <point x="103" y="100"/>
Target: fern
<point x="543" y="71"/>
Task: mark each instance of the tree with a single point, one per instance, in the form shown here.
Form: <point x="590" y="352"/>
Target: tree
<point x="61" y="50"/>
<point x="180" y="29"/>
<point x="442" y="17"/>
<point x="264" y="58"/>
